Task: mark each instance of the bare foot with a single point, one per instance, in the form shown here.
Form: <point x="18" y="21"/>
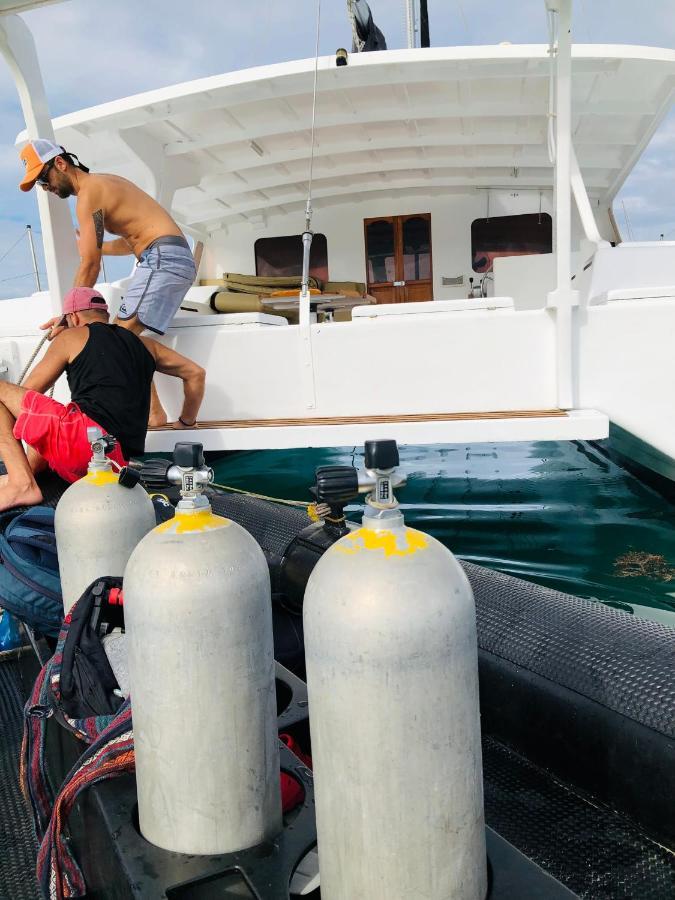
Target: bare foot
<point x="157" y="420"/>
<point x="18" y="494"/>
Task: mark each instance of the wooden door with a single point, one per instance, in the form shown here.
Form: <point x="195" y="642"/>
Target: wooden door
<point x="398" y="258"/>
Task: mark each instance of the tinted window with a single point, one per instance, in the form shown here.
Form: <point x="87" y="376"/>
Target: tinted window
<point x="509" y="236"/>
<point x="381" y="253"/>
<point x="283" y="256"/>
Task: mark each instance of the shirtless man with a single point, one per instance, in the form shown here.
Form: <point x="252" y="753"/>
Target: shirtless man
<point x="165" y="269"/>
<point x="105" y="393"/>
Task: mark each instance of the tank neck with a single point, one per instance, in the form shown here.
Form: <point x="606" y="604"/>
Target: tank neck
<point x="377" y="518"/>
<point x="194" y="504"/>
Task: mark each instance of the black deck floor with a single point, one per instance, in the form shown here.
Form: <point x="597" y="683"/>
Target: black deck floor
<point x="595" y="852"/>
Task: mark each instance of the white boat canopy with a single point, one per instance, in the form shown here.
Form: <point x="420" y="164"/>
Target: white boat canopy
<point x="234" y="148"/>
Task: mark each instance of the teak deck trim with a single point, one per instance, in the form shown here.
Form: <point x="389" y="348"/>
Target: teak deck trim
<point x="374" y="420"/>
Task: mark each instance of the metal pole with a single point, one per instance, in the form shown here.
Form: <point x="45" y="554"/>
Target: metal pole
<point x="410" y="22"/>
<point x="32" y="253"/>
<point x="563" y="298"/>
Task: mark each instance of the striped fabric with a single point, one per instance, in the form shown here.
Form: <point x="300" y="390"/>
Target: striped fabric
<point x="110" y="753"/>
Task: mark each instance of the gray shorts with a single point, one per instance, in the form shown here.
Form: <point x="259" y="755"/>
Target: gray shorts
<point x="164" y="273"/>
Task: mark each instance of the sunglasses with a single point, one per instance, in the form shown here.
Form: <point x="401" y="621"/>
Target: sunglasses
<point x="43" y="177"/>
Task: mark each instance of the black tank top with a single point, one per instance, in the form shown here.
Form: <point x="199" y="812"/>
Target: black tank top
<point x="110" y="381"/>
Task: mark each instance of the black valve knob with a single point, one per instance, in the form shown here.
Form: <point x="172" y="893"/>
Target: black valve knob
<point x="129" y="476"/>
<point x="336" y="484"/>
<point x="188" y="455"/>
<point x="381" y="455"/>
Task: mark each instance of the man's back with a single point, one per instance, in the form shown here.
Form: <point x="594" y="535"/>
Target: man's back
<point x="127" y="210"/>
<point x="109" y="379"/>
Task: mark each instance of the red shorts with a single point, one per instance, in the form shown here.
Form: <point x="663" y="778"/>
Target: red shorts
<point x="59" y="434"/>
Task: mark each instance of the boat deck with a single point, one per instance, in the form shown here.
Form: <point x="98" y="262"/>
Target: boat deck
<point x="406" y="428"/>
<point x="594" y="851"/>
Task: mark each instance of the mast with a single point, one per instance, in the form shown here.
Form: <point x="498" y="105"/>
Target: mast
<point x="33" y="257"/>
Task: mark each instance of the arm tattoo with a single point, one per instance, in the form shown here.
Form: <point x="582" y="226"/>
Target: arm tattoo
<point x="98" y="225"/>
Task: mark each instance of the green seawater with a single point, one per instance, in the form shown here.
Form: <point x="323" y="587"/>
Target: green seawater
<point x="560" y="514"/>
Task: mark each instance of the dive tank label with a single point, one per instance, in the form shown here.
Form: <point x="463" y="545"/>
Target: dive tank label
<point x="399" y="542"/>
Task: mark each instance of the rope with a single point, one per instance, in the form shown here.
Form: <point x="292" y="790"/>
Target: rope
<point x="7" y="252"/>
<point x="308" y="209"/>
<point x="299" y="503"/>
<point x="50" y="392"/>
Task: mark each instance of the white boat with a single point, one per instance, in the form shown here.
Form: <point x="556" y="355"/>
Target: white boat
<point x="431" y="167"/>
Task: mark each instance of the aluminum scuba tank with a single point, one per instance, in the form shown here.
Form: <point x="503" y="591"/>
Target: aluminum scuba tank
<point x="201" y="667"/>
<point x="98" y="521"/>
<point x="392" y="675"/>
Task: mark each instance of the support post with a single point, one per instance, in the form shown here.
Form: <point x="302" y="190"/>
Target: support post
<point x="58" y="238"/>
<point x="563" y="300"/>
<point x="36" y="271"/>
<point x="590" y="226"/>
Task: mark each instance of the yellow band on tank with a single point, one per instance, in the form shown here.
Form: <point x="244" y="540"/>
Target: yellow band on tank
<point x="403" y="542"/>
<point x="186" y="522"/>
<point x="101" y="477"/>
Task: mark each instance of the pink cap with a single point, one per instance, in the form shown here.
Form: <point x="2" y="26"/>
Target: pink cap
<point x="79" y="299"/>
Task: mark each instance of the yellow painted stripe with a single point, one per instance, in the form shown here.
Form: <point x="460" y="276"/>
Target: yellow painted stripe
<point x="101" y="477"/>
<point x="403" y="542"/>
<point x="187" y="522"/>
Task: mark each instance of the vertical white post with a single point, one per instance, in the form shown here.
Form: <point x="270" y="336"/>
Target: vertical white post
<point x="410" y="23"/>
<point x="563" y="299"/>
<point x="58" y="237"/>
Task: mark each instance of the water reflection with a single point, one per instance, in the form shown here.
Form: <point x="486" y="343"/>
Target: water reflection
<point x="561" y="514"/>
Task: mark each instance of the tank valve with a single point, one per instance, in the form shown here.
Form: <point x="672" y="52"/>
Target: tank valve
<point x="380" y="478"/>
<point x="189" y="470"/>
<point x="334" y="488"/>
<point x="101" y="444"/>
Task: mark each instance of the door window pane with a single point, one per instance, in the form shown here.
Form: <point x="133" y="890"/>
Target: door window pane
<point x="380" y="243"/>
<point x="416" y="249"/>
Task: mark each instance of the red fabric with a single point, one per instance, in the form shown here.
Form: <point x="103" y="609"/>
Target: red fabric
<point x="59" y="434"/>
<point x="292" y="793"/>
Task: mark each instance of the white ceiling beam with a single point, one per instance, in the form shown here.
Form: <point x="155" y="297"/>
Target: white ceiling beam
<point x="363" y="166"/>
<point x="295" y="194"/>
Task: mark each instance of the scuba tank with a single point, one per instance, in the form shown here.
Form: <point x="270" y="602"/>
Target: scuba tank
<point x="392" y="675"/>
<point x="198" y="616"/>
<point x="98" y="521"/>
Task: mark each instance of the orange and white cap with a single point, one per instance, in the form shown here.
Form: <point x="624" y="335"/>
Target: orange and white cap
<point x="34" y="156"/>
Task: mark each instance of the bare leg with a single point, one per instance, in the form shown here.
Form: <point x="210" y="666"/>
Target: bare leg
<point x="20" y="488"/>
<point x="36" y="462"/>
<point x="157" y="414"/>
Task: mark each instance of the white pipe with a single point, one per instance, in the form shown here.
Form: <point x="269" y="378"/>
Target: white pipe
<point x="410" y="22"/>
<point x="563" y="298"/>
<point x="58" y="238"/>
<point x="590" y="226"/>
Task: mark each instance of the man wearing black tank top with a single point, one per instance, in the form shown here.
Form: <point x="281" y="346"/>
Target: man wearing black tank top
<point x="109" y="371"/>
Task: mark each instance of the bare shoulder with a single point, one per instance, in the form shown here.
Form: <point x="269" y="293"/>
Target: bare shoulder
<point x="70" y="342"/>
<point x="152" y="346"/>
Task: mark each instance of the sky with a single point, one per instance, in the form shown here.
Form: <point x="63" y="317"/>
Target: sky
<point x="93" y="51"/>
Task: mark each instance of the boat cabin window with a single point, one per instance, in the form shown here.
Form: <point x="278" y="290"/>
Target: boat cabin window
<point x="509" y="236"/>
<point x="283" y="256"/>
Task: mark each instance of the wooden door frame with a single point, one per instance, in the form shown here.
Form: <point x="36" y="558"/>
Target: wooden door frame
<point x="399" y="291"/>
